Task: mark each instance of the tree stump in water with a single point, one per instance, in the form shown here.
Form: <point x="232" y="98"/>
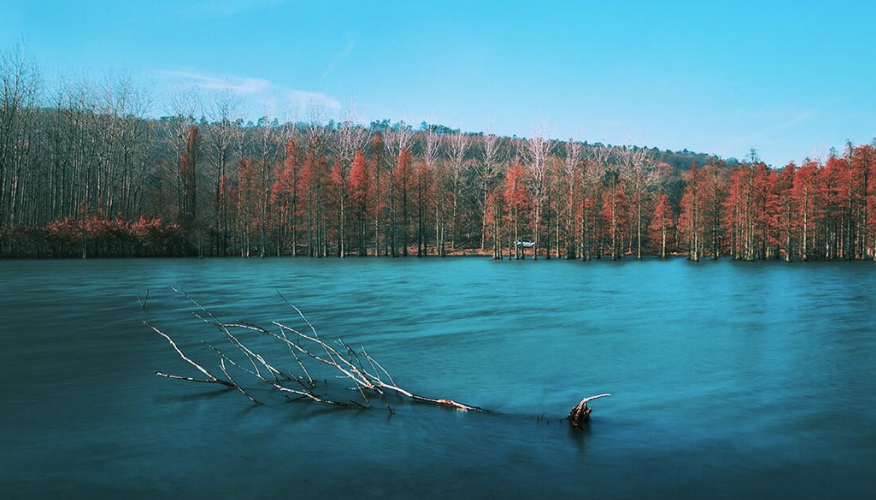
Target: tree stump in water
<point x="580" y="413"/>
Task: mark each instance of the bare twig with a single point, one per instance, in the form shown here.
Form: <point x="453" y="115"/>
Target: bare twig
<point x="144" y="300"/>
<point x="368" y="376"/>
<point x="210" y="377"/>
<point x="239" y="388"/>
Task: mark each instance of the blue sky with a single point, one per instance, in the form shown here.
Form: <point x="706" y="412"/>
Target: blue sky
<point x="789" y="78"/>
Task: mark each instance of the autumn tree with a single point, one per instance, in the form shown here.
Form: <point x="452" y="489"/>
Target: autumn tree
<point x="806" y="200"/>
<point x="85" y="171"/>
<point x="864" y="166"/>
<point x="766" y="212"/>
<point x="351" y="139"/>
<point x="785" y="199"/>
<point x="712" y="196"/>
<point x="615" y="207"/>
<point x="517" y="200"/>
<point x="834" y="190"/>
<point x="377" y="154"/>
<point x="488" y="171"/>
<point x="691" y="216"/>
<point x="592" y="171"/>
<point x="640" y="167"/>
<point x="249" y="193"/>
<point x="398" y="140"/>
<point x="402" y="179"/>
<point x="423" y="193"/>
<point x="284" y="197"/>
<point x="361" y="192"/>
<point x="311" y="184"/>
<point x="662" y="222"/>
<point x="863" y="169"/>
<point x="337" y="192"/>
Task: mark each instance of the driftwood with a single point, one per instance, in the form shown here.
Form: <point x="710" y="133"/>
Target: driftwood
<point x="368" y="377"/>
<point x="580" y="413"/>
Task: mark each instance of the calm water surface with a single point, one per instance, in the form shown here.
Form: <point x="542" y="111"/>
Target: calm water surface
<point x="729" y="380"/>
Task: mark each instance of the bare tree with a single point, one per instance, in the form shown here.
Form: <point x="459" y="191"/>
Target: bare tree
<point x="225" y="133"/>
<point x="431" y="147"/>
<point x="270" y="148"/>
<point x="572" y="162"/>
<point x="398" y="138"/>
<point x="183" y="108"/>
<point x="488" y="169"/>
<point x="538" y="148"/>
<point x="458" y="148"/>
<point x="640" y="167"/>
<point x="316" y="141"/>
<point x="351" y="138"/>
<point x="19" y="97"/>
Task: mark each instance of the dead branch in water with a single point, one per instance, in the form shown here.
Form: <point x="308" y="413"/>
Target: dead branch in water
<point x="580" y="413"/>
<point x="211" y="379"/>
<point x="143" y="300"/>
<point x="368" y="377"/>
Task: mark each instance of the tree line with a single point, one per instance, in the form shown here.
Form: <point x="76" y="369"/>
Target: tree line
<point x="84" y="171"/>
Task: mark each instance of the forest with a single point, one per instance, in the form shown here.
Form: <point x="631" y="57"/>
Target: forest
<point x="86" y="170"/>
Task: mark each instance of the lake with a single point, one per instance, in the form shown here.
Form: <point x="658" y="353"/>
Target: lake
<point x="728" y="380"/>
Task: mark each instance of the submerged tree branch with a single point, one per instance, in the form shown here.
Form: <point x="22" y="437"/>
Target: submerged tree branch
<point x="210" y="377"/>
<point x="368" y="377"/>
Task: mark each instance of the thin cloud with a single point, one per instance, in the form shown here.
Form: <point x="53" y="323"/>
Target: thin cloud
<point x="270" y="96"/>
<point x="238" y="85"/>
<point x="339" y="58"/>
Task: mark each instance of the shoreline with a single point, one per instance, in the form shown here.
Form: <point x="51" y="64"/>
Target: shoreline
<point x="455" y="255"/>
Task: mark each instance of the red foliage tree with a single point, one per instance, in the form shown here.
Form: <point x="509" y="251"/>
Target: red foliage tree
<point x="337" y="192"/>
<point x="690" y="220"/>
<point x="284" y="197"/>
<point x="615" y="211"/>
<point x="807" y="200"/>
<point x="518" y="200"/>
<point x="766" y="211"/>
<point x="248" y="213"/>
<point x="864" y="161"/>
<point x="403" y="180"/>
<point x="423" y="186"/>
<point x="785" y="209"/>
<point x="662" y="222"/>
<point x="311" y="186"/>
<point x="862" y="170"/>
<point x="379" y="204"/>
<point x="361" y="194"/>
<point x="835" y="198"/>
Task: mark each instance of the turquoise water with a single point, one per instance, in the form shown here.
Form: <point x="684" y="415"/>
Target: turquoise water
<point x="728" y="380"/>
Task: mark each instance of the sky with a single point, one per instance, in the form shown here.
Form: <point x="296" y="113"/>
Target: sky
<point x="788" y="78"/>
